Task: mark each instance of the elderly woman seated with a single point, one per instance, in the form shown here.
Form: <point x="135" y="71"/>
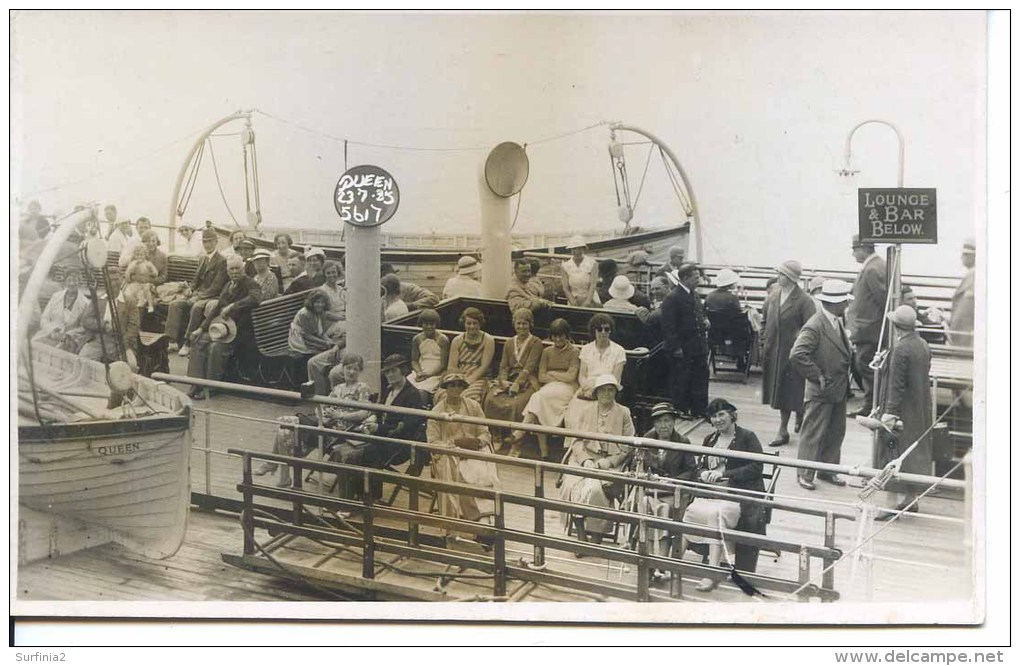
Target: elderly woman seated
<point x="607" y="417"/>
<point x="308" y="330"/>
<point x="452" y="434"/>
<point x="518" y="372"/>
<point x="666" y="464"/>
<point x="430" y="353"/>
<point x="557" y="373"/>
<point x="737" y="473"/>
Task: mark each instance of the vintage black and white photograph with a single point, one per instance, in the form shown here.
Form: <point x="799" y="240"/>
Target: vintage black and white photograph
<point x="553" y="314"/>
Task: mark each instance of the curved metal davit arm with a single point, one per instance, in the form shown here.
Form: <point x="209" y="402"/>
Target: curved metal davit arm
<point x="683" y="176"/>
<point x="178" y="183"/>
<point x="899" y="137"/>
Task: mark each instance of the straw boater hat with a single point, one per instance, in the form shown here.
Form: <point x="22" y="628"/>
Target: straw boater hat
<point x="394" y="361"/>
<point x="315" y="252"/>
<point x="790" y="269"/>
<point x="969" y="246"/>
<point x="222" y="330"/>
<point x="210" y="234"/>
<point x="606" y="380"/>
<point x="621" y="288"/>
<point x="453" y="378"/>
<point x="468" y="265"/>
<point x="576" y="241"/>
<point x="835" y="291"/>
<point x="661" y="409"/>
<point x="261" y="253"/>
<point x="903" y="317"/>
<point x="726" y="278"/>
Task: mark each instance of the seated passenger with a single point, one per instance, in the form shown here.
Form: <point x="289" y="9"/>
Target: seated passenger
<point x="99" y="342"/>
<point x="60" y="325"/>
<point x="309" y="326"/>
<point x="295" y="267"/>
<point x="465" y="282"/>
<point x="213" y="340"/>
<point x="607" y="417"/>
<point x="205" y="288"/>
<point x="471" y="355"/>
<point x="669" y="464"/>
<point x="393" y="306"/>
<point x="557" y="373"/>
<point x="608" y="271"/>
<point x="320" y="364"/>
<point x="601" y="356"/>
<point x="347" y="385"/>
<point x="621" y="294"/>
<point x="456" y="435"/>
<point x="517" y="379"/>
<point x="525" y="291"/>
<point x="282" y="255"/>
<point x="397" y="393"/>
<point x="430" y="353"/>
<point x="140" y="280"/>
<point x="234" y="248"/>
<point x="313" y="276"/>
<point x="722" y="300"/>
<point x="726" y="472"/>
<point x="269" y="285"/>
<point x="192" y="241"/>
<point x="414" y="296"/>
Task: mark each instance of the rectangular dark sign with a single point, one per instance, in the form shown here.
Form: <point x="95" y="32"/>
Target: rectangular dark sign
<point x="897" y="215"/>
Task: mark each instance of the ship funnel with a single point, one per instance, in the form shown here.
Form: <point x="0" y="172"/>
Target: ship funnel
<point x="504" y="175"/>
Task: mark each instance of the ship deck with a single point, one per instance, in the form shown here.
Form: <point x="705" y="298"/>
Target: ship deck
<point x="908" y="554"/>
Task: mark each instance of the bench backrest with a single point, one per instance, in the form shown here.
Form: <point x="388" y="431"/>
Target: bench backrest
<point x="271" y="323"/>
<point x="180" y="268"/>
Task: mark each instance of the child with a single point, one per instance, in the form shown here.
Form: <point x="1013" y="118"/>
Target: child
<point x="140" y="278"/>
<point x="347" y="385"/>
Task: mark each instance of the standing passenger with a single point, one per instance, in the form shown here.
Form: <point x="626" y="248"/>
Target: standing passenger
<point x="685" y="337"/>
<point x="579" y="275"/>
<point x="822" y="356"/>
<point x="866" y="316"/>
<point x="961" y="319"/>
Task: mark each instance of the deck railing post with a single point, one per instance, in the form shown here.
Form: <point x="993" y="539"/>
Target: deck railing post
<point x="677" y="540"/>
<point x="642" y="569"/>
<point x="208" y="453"/>
<point x="367" y="530"/>
<point x="804" y="572"/>
<point x="499" y="577"/>
<point x="247" y="517"/>
<point x="539" y="551"/>
<point x="412" y="502"/>
<point x="829" y="577"/>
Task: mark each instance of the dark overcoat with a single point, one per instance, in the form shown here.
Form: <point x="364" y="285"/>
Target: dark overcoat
<point x="781" y="386"/>
<point x="908" y="396"/>
<point x="820" y="351"/>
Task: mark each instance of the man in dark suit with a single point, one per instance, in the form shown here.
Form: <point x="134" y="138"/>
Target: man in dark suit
<point x="214" y="348"/>
<point x="398" y="393"/>
<point x="205" y="289"/>
<point x="866" y="316"/>
<point x="821" y="355"/>
<point x="684" y="333"/>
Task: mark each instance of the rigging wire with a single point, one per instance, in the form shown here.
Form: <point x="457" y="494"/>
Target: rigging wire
<point x="641" y="185"/>
<point x="189" y="186"/>
<point x="220" y="186"/>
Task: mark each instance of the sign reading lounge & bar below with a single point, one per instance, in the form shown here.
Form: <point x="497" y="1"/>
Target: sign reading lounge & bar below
<point x="897" y="215"/>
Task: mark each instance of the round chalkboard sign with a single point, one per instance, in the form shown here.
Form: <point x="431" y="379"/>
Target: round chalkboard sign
<point x="366" y="196"/>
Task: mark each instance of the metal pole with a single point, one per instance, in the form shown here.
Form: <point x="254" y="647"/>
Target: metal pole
<point x="683" y="176"/>
<point x="208" y="454"/>
<point x="175" y="197"/>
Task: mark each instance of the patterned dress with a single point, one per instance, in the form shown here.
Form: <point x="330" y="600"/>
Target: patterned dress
<point x="469" y="359"/>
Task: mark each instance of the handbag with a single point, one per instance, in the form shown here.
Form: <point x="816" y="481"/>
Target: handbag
<point x="481" y="473"/>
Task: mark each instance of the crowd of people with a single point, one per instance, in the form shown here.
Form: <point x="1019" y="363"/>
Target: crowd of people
<point x="812" y="342"/>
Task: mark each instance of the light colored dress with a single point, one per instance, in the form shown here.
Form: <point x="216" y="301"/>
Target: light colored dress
<point x="549" y="403"/>
<point x="308" y="333"/>
<point x="461" y="285"/>
<point x="579" y="278"/>
<point x="58" y="321"/>
<point x="712" y="512"/>
<point x="447" y="468"/>
<point x="585" y="453"/>
<point x="600" y="361"/>
<point x="337" y="417"/>
<point x="397" y="308"/>
<point x="430" y="358"/>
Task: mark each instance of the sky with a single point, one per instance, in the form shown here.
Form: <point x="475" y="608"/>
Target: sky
<point x="757" y="107"/>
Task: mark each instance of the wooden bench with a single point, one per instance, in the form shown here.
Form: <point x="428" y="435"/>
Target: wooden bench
<point x="271" y="362"/>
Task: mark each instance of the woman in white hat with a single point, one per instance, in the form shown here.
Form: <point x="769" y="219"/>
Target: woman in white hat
<point x="722" y="300"/>
<point x="620" y="293"/>
<point x="604" y="416"/>
<point x="268" y="283"/>
<point x="578" y="275"/>
<point x="465" y="282"/>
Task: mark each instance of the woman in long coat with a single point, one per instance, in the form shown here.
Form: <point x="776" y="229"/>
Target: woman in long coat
<point x="786" y="310"/>
<point x="908" y="399"/>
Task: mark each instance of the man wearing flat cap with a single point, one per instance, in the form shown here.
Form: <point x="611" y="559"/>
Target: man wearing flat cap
<point x="961" y="319"/>
<point x="866" y="315"/>
<point x="822" y="355"/>
<point x="907" y="402"/>
<point x="205" y="288"/>
<point x="685" y="336"/>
